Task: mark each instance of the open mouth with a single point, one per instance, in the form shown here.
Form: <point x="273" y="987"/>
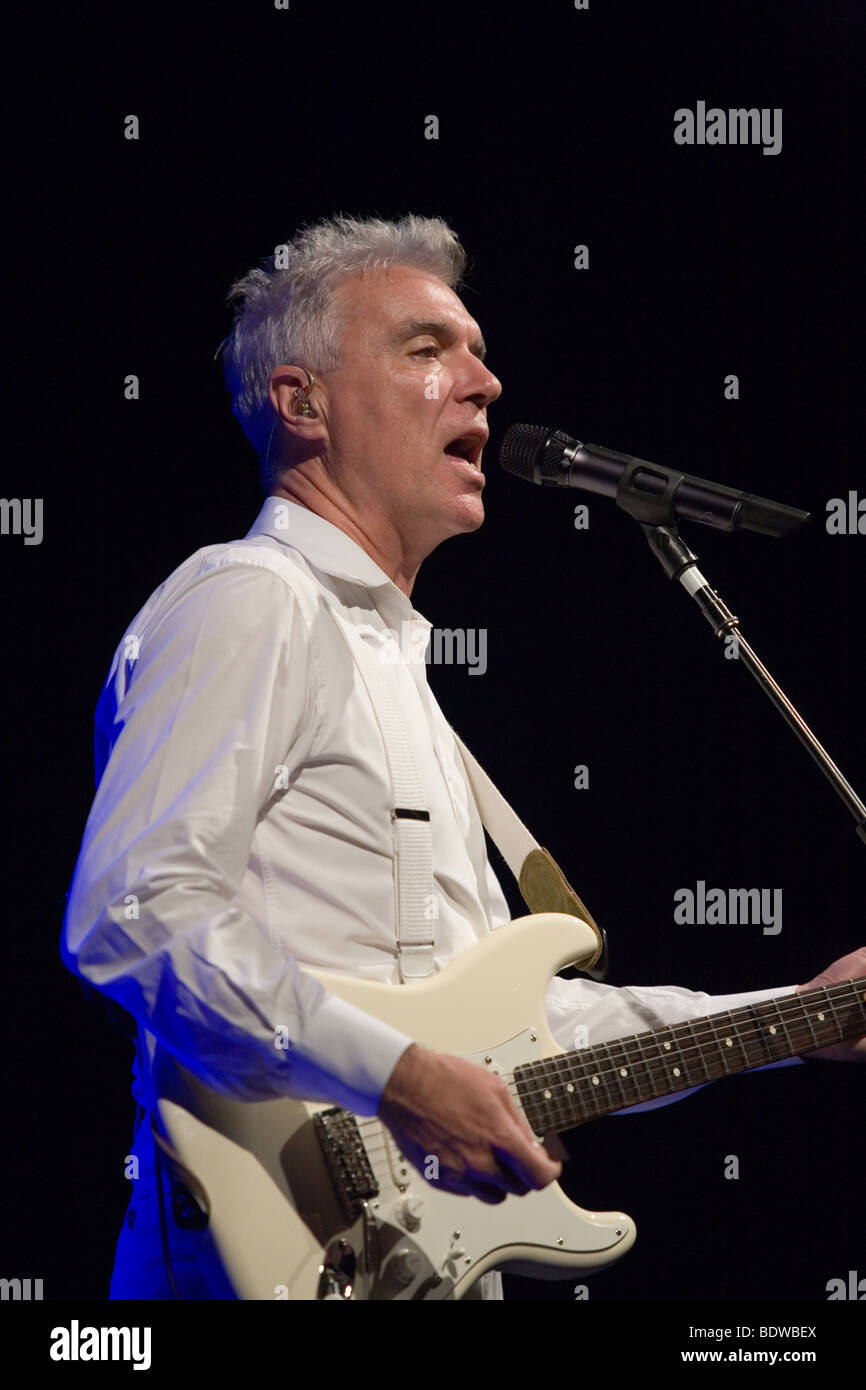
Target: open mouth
<point x="467" y="447"/>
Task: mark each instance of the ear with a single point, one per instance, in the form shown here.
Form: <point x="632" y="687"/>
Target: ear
<point x="288" y="390"/>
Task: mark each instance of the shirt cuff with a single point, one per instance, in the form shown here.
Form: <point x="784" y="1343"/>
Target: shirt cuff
<point x="347" y="1055"/>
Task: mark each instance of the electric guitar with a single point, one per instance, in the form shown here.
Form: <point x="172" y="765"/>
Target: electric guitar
<point x="302" y="1200"/>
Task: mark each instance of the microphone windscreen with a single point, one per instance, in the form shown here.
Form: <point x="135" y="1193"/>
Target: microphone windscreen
<point x="519" y="450"/>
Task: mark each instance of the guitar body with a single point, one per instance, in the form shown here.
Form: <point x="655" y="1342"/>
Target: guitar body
<point x="288" y="1221"/>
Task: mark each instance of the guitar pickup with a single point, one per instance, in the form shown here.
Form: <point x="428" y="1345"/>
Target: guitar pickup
<point x="346" y="1157"/>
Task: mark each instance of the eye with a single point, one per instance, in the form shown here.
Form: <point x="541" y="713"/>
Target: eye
<point x="431" y="347"/>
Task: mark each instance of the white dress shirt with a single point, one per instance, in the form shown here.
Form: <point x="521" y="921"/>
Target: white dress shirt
<point x="241" y="826"/>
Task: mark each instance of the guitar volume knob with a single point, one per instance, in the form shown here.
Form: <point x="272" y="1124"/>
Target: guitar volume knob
<point x="409" y="1211"/>
<point x="405" y="1266"/>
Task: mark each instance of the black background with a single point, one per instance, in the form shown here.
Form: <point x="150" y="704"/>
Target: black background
<point x="556" y="128"/>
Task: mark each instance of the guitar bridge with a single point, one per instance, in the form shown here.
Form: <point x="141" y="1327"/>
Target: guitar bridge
<point x="346" y="1157"/>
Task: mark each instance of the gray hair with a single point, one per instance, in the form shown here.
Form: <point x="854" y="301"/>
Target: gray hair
<point x="284" y="310"/>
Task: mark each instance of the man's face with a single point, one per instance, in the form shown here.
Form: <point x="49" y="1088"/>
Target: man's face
<point x="411" y="382"/>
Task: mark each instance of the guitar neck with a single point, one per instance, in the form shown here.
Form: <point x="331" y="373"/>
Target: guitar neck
<point x="566" y="1090"/>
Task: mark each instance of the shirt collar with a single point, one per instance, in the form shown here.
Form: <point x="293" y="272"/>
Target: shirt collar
<point x="326" y="547"/>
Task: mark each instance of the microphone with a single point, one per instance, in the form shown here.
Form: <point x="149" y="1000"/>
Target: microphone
<point x="645" y="490"/>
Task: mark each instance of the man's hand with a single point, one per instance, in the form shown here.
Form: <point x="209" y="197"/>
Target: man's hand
<point x="848" y="968"/>
<point x="446" y="1108"/>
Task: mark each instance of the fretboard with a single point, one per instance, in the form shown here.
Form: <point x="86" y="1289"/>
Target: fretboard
<point x="573" y="1087"/>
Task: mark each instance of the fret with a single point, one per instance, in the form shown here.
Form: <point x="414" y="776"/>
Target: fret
<point x="577" y="1079"/>
<point x="573" y="1099"/>
<point x="737" y="1020"/>
<point x="545" y="1078"/>
<point x="721" y="1042"/>
<point x="637" y="1041"/>
<point x="535" y="1103"/>
<point x="620" y="1065"/>
<point x="545" y="1095"/>
<point x="674" y="1057"/>
<point x="699" y="1049"/>
<point x="807" y="1018"/>
<point x="764" y="1038"/>
<point x="663" y="1057"/>
<point x="555" y="1067"/>
<point x="790" y="1049"/>
<point x="565" y="1101"/>
<point x="625" y="1061"/>
<point x="830" y="1029"/>
<point x="737" y="1017"/>
<point x="567" y="1089"/>
<point x="523" y="1086"/>
<point x="610" y="1076"/>
<point x="589" y="1069"/>
<point x="686" y="1058"/>
<point x="831" y="1006"/>
<point x="717" y="1053"/>
<point x="780" y="1043"/>
<point x="594" y="1081"/>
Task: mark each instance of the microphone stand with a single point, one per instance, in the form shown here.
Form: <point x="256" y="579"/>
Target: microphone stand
<point x="655" y="514"/>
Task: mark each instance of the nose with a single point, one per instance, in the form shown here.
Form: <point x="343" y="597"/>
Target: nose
<point x="478" y="384"/>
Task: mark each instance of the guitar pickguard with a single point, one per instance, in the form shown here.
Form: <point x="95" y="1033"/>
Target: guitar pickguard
<point x="281" y="1212"/>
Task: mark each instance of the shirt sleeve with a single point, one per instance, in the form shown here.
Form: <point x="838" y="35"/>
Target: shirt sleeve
<point x="220" y="698"/>
<point x="581" y="1013"/>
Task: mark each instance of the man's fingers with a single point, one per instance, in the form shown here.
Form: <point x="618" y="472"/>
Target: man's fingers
<point x="485" y="1146"/>
<point x="513" y="1169"/>
<point x="488" y="1187"/>
<point x="552" y="1142"/>
<point x="555" y="1148"/>
<point x="488" y="1192"/>
<point x="530" y="1166"/>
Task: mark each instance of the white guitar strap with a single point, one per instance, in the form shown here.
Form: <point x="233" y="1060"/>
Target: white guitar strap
<point x="505" y="828"/>
<point x="410" y="819"/>
<point x="542" y="883"/>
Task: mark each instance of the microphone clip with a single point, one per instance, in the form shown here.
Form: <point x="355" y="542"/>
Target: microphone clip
<point x="649" y="508"/>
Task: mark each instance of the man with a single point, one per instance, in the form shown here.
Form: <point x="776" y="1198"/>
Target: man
<point x="243" y="824"/>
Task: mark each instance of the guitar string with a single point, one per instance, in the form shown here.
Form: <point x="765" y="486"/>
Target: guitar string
<point x="709" y="1034"/>
<point x="790" y="1006"/>
<point x="790" y="1012"/>
<point x="563" y="1068"/>
<point x="844" y="992"/>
